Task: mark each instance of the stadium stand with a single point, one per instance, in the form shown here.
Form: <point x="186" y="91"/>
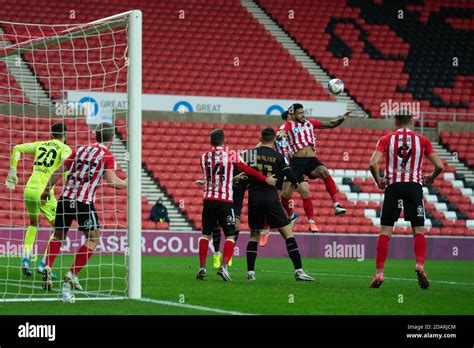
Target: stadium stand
<point x="265" y="69"/>
<point x="461" y="143"/>
<point x="408" y="59"/>
<point x="10" y="90"/>
<point x="391" y="52"/>
<point x="176" y="165"/>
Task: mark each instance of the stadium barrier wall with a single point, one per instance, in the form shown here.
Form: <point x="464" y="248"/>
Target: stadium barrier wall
<point x="369" y="123"/>
<point x="355" y="246"/>
<point x="467" y="127"/>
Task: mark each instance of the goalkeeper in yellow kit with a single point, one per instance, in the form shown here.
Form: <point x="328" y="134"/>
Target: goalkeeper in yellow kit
<point x="49" y="155"/>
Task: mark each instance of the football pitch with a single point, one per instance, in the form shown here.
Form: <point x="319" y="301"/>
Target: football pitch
<point x="169" y="287"/>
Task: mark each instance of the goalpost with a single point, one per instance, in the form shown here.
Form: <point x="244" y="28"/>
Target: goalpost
<point x="81" y="75"/>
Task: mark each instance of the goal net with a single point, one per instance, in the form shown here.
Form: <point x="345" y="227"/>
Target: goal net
<point x="71" y="74"/>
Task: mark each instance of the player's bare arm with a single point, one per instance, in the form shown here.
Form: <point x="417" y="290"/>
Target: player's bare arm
<point x="335" y="122"/>
<point x="239" y="177"/>
<point x="114" y="181"/>
<point x="374" y="169"/>
<point x="200" y="182"/>
<point x="438" y="168"/>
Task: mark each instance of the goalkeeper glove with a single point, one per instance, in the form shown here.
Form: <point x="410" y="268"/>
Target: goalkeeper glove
<point x="11" y="180"/>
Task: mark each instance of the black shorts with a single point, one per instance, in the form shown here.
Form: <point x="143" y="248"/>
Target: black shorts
<point x="304" y="166"/>
<point x="406" y="195"/>
<point x="265" y="207"/>
<point x="218" y="213"/>
<point x="238" y="197"/>
<point x="70" y="210"/>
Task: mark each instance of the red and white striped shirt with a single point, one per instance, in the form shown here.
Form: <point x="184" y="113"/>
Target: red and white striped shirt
<point x="86" y="168"/>
<point x="299" y="135"/>
<point x="218" y="170"/>
<point x="404" y="152"/>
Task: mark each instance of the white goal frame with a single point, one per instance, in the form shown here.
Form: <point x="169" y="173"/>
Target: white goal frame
<point x="134" y="141"/>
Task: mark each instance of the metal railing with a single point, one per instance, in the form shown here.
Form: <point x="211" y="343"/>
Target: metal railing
<point x="427" y="116"/>
<point x="424" y="117"/>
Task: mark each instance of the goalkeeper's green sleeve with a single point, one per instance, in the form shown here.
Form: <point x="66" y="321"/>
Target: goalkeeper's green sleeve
<point x="18" y="150"/>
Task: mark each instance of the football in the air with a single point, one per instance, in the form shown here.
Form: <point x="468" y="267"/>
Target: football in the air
<point x="336" y="86"/>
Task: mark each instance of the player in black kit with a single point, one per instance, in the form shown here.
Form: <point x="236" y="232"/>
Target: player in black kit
<point x="264" y="204"/>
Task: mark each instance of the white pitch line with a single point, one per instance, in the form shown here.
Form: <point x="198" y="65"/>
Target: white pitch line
<point x="363" y="276"/>
<point x="184" y="305"/>
<point x="112" y="297"/>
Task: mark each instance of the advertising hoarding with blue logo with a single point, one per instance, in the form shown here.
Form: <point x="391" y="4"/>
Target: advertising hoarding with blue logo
<point x="102" y="105"/>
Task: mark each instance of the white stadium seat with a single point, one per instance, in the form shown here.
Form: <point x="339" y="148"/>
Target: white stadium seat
<point x="338" y="180"/>
<point x="450" y="215"/>
<point x="370" y="213"/>
<point x="448" y="176"/>
<point x="425" y="191"/>
<point x="428" y="223"/>
<point x="457" y="184"/>
<point x="350" y="173"/>
<point x="375" y="197"/>
<point x="352" y="196"/>
<point x="344" y="188"/>
<point x="362" y="174"/>
<point x="466" y="191"/>
<point x="441" y="206"/>
<point x="402" y="223"/>
<point x="375" y="221"/>
<point x="470" y="223"/>
<point x="363" y="196"/>
<point x="472" y="199"/>
<point x="431" y="199"/>
<point x="339" y="172"/>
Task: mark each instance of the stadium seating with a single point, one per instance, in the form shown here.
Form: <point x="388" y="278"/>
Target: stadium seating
<point x="10" y="90"/>
<point x="111" y="204"/>
<point x="404" y="60"/>
<point x="462" y="144"/>
<point x="176" y="165"/>
<point x="408" y="60"/>
<point x="174" y="62"/>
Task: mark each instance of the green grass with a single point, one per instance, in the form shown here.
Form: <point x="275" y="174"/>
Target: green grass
<point x="341" y="287"/>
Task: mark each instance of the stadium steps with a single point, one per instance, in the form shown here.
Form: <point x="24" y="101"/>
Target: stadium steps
<point x="300" y="55"/>
<point x="151" y="190"/>
<point x="453" y="161"/>
<point x="25" y="77"/>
